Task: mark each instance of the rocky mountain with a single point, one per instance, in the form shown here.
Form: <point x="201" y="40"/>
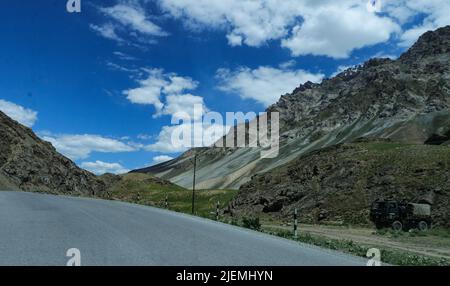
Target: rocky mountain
<point x="31" y="164"/>
<point x="406" y="100"/>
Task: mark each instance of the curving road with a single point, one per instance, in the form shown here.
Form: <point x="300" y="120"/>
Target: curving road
<point x="38" y="229"/>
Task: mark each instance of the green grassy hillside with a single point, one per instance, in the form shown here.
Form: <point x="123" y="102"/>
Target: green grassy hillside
<point x="149" y="190"/>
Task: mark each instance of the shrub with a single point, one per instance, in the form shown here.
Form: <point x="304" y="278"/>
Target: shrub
<point x="251" y="223"/>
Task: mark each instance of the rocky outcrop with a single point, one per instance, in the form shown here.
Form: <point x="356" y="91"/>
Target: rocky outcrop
<point x="406" y="100"/>
<point x="31" y="164"/>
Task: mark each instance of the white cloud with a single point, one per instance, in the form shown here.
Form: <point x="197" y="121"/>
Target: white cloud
<point x="158" y="84"/>
<point x="335" y="31"/>
<point x="264" y="84"/>
<point x="182" y="106"/>
<point x="234" y="40"/>
<point x="179" y="84"/>
<point x="149" y="91"/>
<point x="81" y="146"/>
<point x="99" y="167"/>
<point x="327" y="27"/>
<point x="248" y="21"/>
<point x="129" y="18"/>
<point x="161" y="159"/>
<point x="19" y="113"/>
<point x="133" y="16"/>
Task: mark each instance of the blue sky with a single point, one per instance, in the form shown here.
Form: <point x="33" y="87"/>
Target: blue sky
<point x="103" y="84"/>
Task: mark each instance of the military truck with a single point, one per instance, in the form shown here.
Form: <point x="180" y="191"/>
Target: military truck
<point x="400" y="215"/>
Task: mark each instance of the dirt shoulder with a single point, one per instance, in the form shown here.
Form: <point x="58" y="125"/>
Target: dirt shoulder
<point x="426" y="244"/>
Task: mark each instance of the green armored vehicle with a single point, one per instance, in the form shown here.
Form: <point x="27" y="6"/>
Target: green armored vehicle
<point x="400" y="215"/>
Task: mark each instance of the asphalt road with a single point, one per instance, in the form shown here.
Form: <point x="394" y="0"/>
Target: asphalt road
<point x="38" y="229"/>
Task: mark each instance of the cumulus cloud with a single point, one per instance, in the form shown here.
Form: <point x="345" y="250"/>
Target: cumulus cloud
<point x="327" y="27"/>
<point x="264" y="84"/>
<point x="19" y="113"/>
<point x="161" y="159"/>
<point x="248" y="21"/>
<point x="177" y="84"/>
<point x="335" y="31"/>
<point x="81" y="146"/>
<point x="331" y="28"/>
<point x="169" y="87"/>
<point x="99" y="167"/>
<point x="182" y="106"/>
<point x="149" y="90"/>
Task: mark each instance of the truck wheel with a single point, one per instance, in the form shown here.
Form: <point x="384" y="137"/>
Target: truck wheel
<point x="422" y="225"/>
<point x="397" y="226"/>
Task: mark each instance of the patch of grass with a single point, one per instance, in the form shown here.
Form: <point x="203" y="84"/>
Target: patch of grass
<point x="440" y="232"/>
<point x="205" y="201"/>
<point x="384" y="146"/>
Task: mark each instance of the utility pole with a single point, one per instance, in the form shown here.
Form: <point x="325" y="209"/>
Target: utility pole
<point x="193" y="181"/>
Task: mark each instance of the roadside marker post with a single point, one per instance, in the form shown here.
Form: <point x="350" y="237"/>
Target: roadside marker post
<point x="166" y="202"/>
<point x="193" y="183"/>
<point x="295" y="223"/>
<point x="217" y="210"/>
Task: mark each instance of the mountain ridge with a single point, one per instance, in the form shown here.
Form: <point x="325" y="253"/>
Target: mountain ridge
<point x="406" y="100"/>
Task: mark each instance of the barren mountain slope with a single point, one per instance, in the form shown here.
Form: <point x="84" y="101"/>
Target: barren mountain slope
<point x="31" y="164"/>
<point x="406" y="100"/>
